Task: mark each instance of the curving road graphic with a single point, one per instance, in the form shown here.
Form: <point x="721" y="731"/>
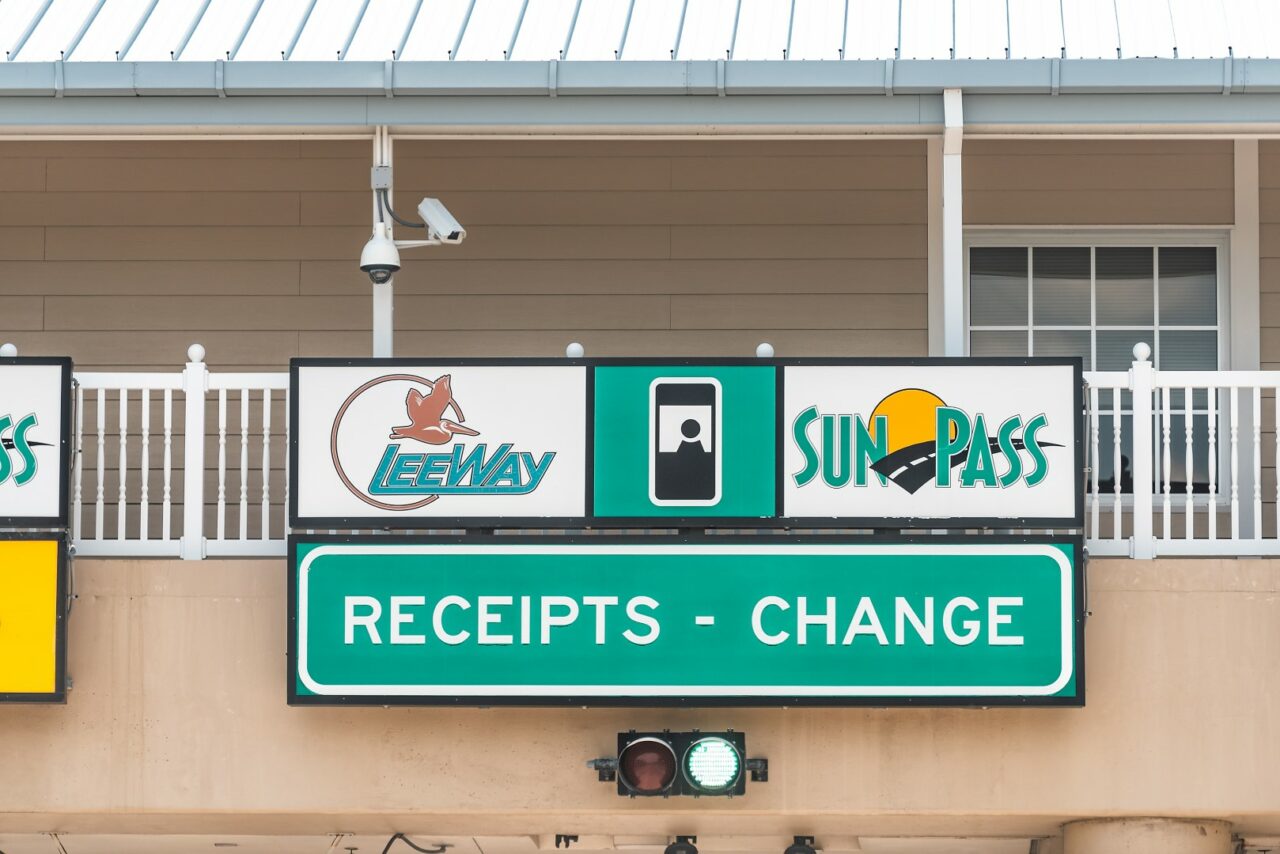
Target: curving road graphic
<point x="913" y="466"/>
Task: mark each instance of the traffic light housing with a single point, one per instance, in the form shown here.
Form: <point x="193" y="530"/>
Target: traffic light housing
<point x="698" y="764"/>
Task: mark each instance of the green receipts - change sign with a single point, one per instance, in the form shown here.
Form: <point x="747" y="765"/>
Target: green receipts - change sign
<point x="718" y="620"/>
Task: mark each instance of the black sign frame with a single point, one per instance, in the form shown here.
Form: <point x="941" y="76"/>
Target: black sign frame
<point x="1079" y="617"/>
<point x="64" y="441"/>
<point x="59" y="694"/>
<point x="776" y="521"/>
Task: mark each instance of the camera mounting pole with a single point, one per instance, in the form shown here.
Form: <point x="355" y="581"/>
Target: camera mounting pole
<point x="380" y="258"/>
<point x="383" y="294"/>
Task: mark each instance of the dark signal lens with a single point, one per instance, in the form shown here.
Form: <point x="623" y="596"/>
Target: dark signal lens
<point x="647" y="766"/>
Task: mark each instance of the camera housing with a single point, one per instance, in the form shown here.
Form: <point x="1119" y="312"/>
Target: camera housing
<point x="440" y="223"/>
<point x="380" y="258"/>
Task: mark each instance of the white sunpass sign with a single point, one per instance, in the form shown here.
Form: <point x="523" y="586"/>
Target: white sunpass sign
<point x="933" y="441"/>
<point x="35" y="429"/>
<point x="384" y="442"/>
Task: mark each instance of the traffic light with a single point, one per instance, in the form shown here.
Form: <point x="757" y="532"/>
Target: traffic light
<point x="701" y="764"/>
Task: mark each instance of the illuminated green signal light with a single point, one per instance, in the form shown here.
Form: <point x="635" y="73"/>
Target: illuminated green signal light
<point x="712" y="765"/>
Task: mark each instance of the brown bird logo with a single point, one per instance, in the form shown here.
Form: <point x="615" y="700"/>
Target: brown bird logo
<point x="426" y="415"/>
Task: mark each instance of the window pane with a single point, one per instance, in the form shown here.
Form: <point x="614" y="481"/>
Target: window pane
<point x="998" y="286"/>
<point x="1106" y="462"/>
<point x="1115" y="347"/>
<point x="1178" y="456"/>
<point x="1060" y="286"/>
<point x="1189" y="286"/>
<point x="1188" y="351"/>
<point x="1126" y="285"/>
<point x="1063" y="343"/>
<point x="997" y="343"/>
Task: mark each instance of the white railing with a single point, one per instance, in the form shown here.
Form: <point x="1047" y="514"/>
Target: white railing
<point x="1193" y="442"/>
<point x="1175" y="462"/>
<point x="144" y="491"/>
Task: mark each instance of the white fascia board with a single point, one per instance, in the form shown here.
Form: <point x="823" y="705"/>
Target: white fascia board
<point x="709" y="77"/>
<point x="1255" y="113"/>
<point x="1001" y="96"/>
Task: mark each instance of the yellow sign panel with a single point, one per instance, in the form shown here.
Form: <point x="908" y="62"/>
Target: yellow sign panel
<point x="31" y="631"/>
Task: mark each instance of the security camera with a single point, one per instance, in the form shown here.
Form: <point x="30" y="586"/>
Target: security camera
<point x="380" y="258"/>
<point x="440" y="223"/>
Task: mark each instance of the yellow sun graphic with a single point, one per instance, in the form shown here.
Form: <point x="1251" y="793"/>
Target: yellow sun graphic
<point x="911" y="414"/>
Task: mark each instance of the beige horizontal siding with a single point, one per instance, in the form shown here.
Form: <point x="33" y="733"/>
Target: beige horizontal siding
<point x="649" y="342"/>
<point x="1269" y="285"/>
<point x="1269" y="264"/>
<point x="121" y="254"/>
<point x="143" y="278"/>
<point x="21" y="244"/>
<point x="151" y="209"/>
<point x="641" y="207"/>
<point x="443" y="275"/>
<point x="1106" y="182"/>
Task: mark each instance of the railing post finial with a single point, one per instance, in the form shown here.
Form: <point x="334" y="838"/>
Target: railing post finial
<point x="195" y="353"/>
<point x="1142" y="351"/>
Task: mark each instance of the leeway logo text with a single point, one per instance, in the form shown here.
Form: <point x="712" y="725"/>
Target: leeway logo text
<point x="461" y="472"/>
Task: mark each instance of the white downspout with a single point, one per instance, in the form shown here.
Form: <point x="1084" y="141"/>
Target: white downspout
<point x="953" y="325"/>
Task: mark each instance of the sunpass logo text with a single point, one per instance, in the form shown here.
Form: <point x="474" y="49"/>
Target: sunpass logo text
<point x="462" y="472"/>
<point x="913" y="437"/>
<point x="17" y="442"/>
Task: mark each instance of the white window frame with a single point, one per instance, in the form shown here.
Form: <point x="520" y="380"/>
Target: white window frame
<point x="1219" y="238"/>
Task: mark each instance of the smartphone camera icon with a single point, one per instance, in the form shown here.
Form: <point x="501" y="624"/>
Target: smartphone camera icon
<point x="684" y="441"/>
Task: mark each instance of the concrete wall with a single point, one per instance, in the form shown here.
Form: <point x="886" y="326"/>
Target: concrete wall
<point x="178" y="723"/>
<point x="123" y="253"/>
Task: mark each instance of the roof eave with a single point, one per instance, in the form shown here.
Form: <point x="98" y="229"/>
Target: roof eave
<point x="633" y="97"/>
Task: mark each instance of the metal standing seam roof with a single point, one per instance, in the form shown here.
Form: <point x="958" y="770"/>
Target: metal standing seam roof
<point x="500" y="65"/>
<point x="77" y="31"/>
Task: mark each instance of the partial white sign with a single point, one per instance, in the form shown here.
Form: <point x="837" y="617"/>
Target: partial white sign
<point x="930" y="441"/>
<point x="396" y="441"/>
<point x="34" y="428"/>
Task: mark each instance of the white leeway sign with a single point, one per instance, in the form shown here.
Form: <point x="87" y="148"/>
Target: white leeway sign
<point x="391" y="442"/>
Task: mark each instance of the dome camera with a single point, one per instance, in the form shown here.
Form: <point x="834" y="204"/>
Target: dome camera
<point x="380" y="258"/>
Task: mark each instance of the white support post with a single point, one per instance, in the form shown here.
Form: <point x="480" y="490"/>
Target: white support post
<point x="1244" y="342"/>
<point x="383" y="319"/>
<point x="952" y="224"/>
<point x="195" y="384"/>
<point x="1142" y="383"/>
<point x="933" y="169"/>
